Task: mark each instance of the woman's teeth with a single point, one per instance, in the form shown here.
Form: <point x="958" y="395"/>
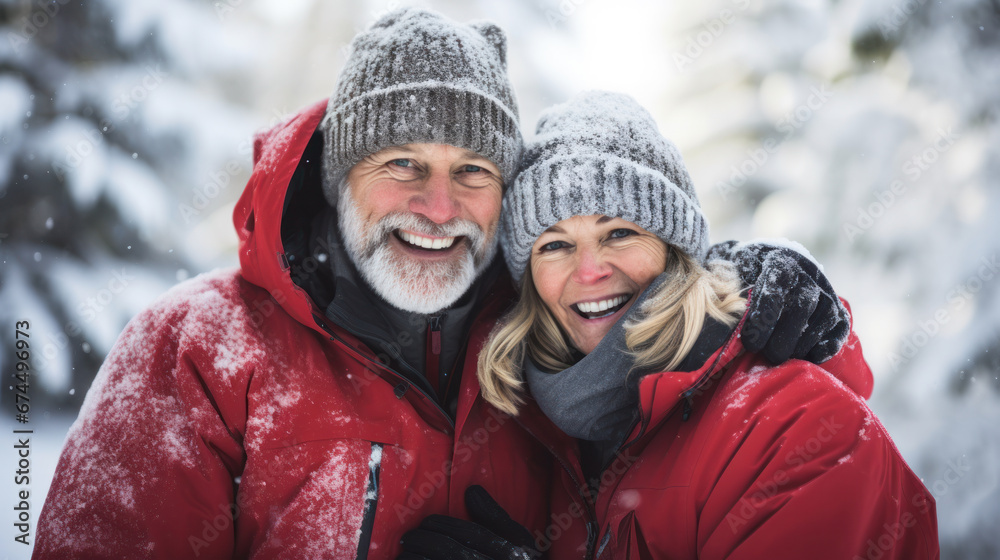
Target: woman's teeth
<point x="426" y="242"/>
<point x="603" y="308"/>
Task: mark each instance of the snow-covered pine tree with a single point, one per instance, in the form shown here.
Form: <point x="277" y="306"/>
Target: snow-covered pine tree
<point x="944" y="388"/>
<point x="118" y="151"/>
<point x="868" y="131"/>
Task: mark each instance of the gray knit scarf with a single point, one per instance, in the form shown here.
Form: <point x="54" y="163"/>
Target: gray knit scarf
<point x="597" y="398"/>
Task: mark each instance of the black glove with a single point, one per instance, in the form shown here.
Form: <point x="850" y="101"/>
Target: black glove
<point x="492" y="535"/>
<point x="794" y="312"/>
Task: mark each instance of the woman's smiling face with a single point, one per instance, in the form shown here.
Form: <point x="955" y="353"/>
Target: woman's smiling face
<point x="589" y="270"/>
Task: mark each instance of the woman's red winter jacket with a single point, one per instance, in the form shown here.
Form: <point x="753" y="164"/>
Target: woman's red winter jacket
<point x="742" y="460"/>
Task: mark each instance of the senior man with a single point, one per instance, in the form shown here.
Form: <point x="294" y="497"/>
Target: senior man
<point x="321" y="400"/>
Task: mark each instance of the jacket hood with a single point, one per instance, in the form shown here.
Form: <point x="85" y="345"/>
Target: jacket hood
<point x="660" y="393"/>
<point x="258" y="213"/>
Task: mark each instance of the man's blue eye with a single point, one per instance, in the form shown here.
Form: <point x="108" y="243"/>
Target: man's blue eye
<point x="473" y="169"/>
<point x="402" y="162"/>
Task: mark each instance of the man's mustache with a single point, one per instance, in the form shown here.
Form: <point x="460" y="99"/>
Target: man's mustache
<point x="470" y="232"/>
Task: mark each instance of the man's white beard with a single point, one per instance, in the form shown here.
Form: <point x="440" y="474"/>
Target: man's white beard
<point x="407" y="283"/>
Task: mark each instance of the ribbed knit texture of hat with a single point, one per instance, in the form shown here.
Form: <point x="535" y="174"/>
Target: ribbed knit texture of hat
<point x="418" y="77"/>
<point x="600" y="153"/>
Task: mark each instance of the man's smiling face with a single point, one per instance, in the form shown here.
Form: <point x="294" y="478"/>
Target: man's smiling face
<point x="419" y="221"/>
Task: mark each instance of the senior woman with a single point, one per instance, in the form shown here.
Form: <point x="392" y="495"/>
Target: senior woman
<point x="624" y="357"/>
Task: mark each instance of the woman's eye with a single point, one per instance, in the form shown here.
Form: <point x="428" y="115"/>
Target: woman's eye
<point x="552" y="246"/>
<point x="621" y="232"/>
<point x="402" y="162"/>
<point x="472" y="169"/>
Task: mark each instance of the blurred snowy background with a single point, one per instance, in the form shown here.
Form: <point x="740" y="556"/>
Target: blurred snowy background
<point x="868" y="131"/>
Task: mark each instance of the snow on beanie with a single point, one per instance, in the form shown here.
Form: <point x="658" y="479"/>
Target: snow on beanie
<point x="417" y="76"/>
<point x="600" y="153"/>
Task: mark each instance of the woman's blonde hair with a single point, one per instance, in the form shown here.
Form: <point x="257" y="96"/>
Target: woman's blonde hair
<point x="668" y="326"/>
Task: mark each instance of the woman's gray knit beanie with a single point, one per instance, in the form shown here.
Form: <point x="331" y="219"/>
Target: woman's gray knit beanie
<point x="600" y="153"/>
<point x="418" y="77"/>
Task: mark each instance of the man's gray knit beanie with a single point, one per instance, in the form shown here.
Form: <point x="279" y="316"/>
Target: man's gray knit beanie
<point x="600" y="153"/>
<point x="418" y="77"/>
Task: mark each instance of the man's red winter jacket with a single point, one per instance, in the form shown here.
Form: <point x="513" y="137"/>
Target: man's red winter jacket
<point x="741" y="460"/>
<point x="231" y="420"/>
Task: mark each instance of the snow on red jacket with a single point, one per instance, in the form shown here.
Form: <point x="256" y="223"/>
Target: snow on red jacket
<point x="230" y="421"/>
<point x="743" y="460"/>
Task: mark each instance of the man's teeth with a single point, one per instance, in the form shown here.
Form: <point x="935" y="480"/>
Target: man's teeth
<point x="597" y="306"/>
<point x="425" y="242"/>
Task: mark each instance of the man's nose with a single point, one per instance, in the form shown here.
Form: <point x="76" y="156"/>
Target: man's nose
<point x="591" y="267"/>
<point x="436" y="200"/>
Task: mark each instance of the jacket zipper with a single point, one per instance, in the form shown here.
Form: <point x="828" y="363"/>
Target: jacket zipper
<point x="432" y="369"/>
<point x="370" y="502"/>
<point x="604" y="541"/>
